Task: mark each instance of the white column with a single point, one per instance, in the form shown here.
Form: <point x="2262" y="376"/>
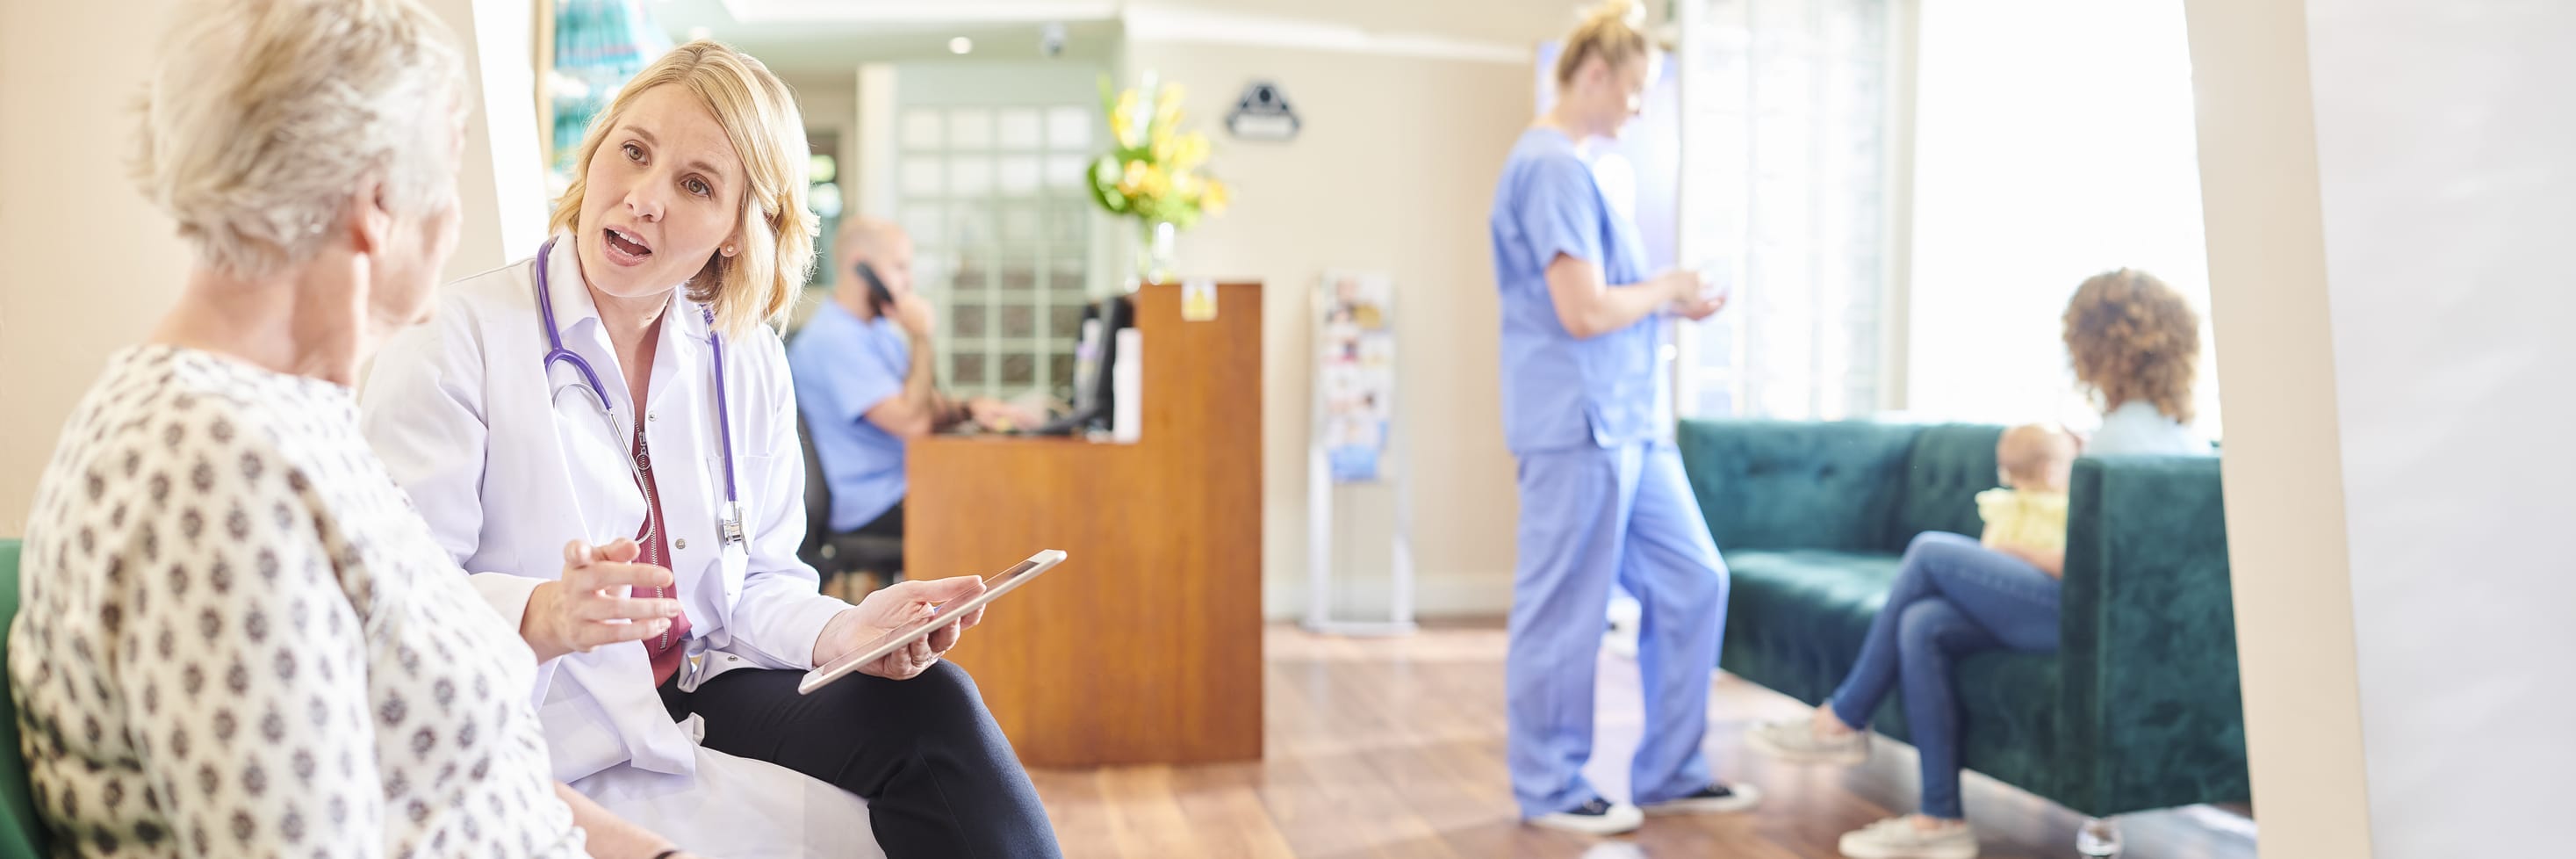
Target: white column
<point x="502" y="184"/>
<point x="876" y="145"/>
<point x="2284" y="470"/>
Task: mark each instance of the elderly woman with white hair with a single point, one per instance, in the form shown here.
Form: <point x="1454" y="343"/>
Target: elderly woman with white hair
<point x="238" y="639"/>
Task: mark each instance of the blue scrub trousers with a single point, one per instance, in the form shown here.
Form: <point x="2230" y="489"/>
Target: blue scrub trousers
<point x="1591" y="517"/>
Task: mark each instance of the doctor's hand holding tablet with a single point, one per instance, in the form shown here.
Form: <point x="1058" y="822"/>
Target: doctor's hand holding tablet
<point x="896" y="633"/>
<point x="895" y="607"/>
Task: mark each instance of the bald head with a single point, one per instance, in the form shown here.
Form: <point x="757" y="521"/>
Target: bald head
<point x="881" y="246"/>
<point x="867" y="236"/>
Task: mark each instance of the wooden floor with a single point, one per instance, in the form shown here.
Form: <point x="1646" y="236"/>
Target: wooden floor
<point x="1395" y="748"/>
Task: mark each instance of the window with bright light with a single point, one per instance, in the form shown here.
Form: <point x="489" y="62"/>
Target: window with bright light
<point x="2054" y="141"/>
<point x="1786" y="186"/>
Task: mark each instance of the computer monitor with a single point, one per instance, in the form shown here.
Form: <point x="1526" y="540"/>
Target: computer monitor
<point x="1094" y="352"/>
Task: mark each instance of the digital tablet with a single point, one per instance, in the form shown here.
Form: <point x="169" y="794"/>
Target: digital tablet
<point x="1001" y="583"/>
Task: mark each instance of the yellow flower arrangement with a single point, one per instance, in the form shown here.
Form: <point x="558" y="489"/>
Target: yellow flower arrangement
<point x="1153" y="169"/>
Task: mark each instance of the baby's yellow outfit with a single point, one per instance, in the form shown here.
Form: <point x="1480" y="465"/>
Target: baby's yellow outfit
<point x="2028" y="520"/>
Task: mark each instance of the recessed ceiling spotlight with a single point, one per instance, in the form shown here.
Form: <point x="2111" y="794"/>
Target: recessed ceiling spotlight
<point x="961" y="45"/>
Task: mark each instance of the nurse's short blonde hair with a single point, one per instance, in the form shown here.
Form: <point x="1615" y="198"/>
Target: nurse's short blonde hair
<point x="262" y="119"/>
<point x="775" y="231"/>
<point x="1615" y="31"/>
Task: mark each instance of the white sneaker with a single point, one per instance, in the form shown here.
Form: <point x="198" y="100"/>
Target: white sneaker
<point x="1796" y="741"/>
<point x="1626" y="616"/>
<point x="1596" y="816"/>
<point x="1897" y="838"/>
<point x="1713" y="799"/>
<point x="1621" y="641"/>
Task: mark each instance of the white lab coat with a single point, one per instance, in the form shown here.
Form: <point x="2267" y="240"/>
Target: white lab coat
<point x="465" y="414"/>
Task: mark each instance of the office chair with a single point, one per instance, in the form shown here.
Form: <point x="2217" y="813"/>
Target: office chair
<point x="837" y="556"/>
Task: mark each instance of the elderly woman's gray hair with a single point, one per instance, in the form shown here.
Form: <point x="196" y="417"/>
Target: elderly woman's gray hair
<point x="264" y="119"/>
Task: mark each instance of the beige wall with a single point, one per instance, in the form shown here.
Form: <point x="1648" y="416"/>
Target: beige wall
<point x="2285" y="485"/>
<point x="1393" y="172"/>
<point x="830" y="102"/>
<point x="92" y="265"/>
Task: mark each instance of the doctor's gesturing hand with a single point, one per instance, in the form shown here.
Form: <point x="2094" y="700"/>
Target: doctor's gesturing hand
<point x="584" y="610"/>
<point x="893" y="607"/>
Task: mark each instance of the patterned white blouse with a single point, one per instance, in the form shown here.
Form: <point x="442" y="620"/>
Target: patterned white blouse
<point x="238" y="639"/>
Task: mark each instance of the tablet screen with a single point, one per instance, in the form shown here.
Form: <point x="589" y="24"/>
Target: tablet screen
<point x="994" y="587"/>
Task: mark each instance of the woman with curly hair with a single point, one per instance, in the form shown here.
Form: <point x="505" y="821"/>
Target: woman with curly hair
<point x="2135" y="343"/>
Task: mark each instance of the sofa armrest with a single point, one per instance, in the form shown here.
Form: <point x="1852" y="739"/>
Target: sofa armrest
<point x="2152" y="711"/>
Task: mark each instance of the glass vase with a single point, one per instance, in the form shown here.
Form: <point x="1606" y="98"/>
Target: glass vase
<point x="1154" y="251"/>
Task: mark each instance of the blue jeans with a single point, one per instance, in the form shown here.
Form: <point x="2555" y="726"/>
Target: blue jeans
<point x="1590" y="517"/>
<point x="1952" y="597"/>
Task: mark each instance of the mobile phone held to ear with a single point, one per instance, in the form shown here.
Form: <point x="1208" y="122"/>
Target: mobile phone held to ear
<point x="880" y="299"/>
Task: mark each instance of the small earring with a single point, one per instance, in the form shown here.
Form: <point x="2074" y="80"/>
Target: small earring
<point x="728" y="250"/>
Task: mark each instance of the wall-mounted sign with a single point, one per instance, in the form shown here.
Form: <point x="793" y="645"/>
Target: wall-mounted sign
<point x="1263" y="113"/>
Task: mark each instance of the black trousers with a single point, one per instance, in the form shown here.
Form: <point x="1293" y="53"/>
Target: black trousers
<point x="939" y="777"/>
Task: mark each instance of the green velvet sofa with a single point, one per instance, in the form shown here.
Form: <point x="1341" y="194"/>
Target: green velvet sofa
<point x="21" y="833"/>
<point x="2139" y="709"/>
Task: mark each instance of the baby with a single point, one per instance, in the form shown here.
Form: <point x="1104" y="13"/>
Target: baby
<point x="2028" y="518"/>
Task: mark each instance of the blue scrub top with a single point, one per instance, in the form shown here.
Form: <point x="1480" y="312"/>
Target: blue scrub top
<point x="843" y="367"/>
<point x="1560" y="392"/>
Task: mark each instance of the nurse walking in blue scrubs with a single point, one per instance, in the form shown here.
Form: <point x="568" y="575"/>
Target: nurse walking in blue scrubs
<point x="1602" y="499"/>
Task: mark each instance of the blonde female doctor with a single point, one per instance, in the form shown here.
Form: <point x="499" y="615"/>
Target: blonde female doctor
<point x="622" y="388"/>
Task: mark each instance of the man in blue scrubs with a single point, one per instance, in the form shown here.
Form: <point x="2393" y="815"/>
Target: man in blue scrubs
<point x="865" y="379"/>
<point x="1602" y="494"/>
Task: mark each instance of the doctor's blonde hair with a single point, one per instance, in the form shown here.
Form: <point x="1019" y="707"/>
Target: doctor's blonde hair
<point x="775" y="231"/>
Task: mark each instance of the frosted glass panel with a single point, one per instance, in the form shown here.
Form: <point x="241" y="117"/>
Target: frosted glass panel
<point x="1065" y="172"/>
<point x="1069" y="128"/>
<point x="1019" y="175"/>
<point x="921" y="176"/>
<point x="925" y="222"/>
<point x="994" y="193"/>
<point x="974" y="228"/>
<point x="1019" y="226"/>
<point x="970" y="128"/>
<point x="970" y="177"/>
<point x="1066" y="228"/>
<point x="921" y="129"/>
<point x="1019" y="129"/>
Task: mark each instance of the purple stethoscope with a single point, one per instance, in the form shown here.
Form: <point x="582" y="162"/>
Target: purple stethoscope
<point x="729" y="518"/>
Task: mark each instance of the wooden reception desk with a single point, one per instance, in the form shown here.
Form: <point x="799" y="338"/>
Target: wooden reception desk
<point x="1145" y="646"/>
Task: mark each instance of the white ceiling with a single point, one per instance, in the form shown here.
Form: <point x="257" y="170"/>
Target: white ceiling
<point x="832" y="37"/>
<point x="807" y="38"/>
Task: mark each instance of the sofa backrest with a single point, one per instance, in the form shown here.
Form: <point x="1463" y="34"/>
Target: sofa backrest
<point x="2148" y="639"/>
<point x="1945" y="469"/>
<point x="1798" y="484"/>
